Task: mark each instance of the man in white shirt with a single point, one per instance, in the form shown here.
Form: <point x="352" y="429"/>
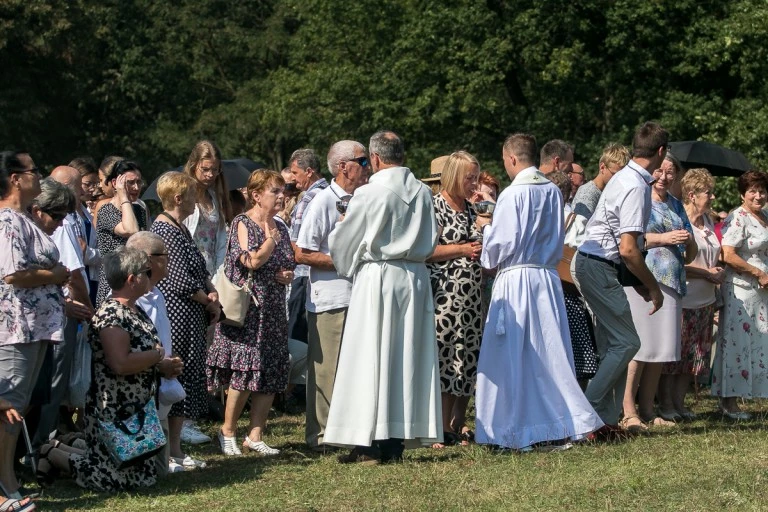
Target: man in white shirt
<point x="614" y="234"/>
<point x="328" y="292"/>
<point x="78" y="305"/>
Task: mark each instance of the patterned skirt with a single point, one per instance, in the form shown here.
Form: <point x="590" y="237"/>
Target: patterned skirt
<point x="582" y="337"/>
<point x="696" y="334"/>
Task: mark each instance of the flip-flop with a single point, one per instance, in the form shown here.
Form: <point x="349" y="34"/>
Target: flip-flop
<point x="14" y="505"/>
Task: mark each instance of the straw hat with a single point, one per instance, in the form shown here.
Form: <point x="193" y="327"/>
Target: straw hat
<point x="436" y="169"/>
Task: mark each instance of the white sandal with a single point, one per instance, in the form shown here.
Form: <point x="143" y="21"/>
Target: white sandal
<point x="228" y="445"/>
<point x="259" y="447"/>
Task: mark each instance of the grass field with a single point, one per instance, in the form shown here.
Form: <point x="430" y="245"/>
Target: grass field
<point x="709" y="464"/>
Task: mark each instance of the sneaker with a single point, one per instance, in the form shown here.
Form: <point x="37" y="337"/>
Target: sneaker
<point x="174" y="467"/>
<point x="191" y="434"/>
<point x="188" y="463"/>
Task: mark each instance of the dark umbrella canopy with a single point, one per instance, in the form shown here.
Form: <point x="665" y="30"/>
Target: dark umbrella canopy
<point x="718" y="160"/>
<point x="236" y="173"/>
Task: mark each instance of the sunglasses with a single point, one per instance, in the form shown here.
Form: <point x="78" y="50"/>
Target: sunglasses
<point x="362" y="161"/>
<point x="57" y="216"/>
<point x="147" y="271"/>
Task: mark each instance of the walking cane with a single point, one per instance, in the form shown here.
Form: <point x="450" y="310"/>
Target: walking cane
<point x="28" y="441"/>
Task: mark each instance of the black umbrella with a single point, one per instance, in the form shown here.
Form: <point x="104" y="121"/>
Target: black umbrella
<point x="236" y="173"/>
<point x="718" y="160"/>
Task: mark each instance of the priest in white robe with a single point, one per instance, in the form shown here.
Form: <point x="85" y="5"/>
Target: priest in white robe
<point x="387" y="390"/>
<point x="527" y="391"/>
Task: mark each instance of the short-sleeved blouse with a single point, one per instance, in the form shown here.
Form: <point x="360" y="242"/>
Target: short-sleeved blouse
<point x="33" y="314"/>
<point x="744" y="232"/>
<point x="667" y="263"/>
<point x="108" y="218"/>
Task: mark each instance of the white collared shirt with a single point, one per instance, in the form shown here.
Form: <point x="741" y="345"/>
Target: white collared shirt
<point x="624" y="207"/>
<point x="327" y="290"/>
<point x="70" y="253"/>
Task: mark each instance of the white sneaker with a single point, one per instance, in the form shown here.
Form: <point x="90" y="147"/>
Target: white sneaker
<point x="192" y="435"/>
<point x="188" y="463"/>
<point x="174" y="467"/>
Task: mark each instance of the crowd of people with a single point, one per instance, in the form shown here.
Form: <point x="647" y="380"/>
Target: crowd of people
<point x="394" y="301"/>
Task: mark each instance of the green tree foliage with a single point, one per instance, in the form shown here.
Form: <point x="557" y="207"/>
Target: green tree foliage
<point x="263" y="77"/>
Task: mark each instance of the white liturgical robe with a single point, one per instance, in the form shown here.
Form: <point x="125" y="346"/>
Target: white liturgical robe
<point x="526" y="385"/>
<point x="387" y="382"/>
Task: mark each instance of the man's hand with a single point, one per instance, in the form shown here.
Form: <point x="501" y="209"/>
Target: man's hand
<point x="657" y="298"/>
<point x="78" y="310"/>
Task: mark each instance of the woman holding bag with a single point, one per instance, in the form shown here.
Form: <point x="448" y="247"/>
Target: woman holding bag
<point x="252" y="360"/>
<point x="126" y="351"/>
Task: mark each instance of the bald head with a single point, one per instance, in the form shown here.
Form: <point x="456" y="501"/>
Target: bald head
<point x="70" y="177"/>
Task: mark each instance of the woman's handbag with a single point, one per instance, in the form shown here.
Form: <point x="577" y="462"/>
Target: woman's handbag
<point x="234" y="299"/>
<point x="135" y="435"/>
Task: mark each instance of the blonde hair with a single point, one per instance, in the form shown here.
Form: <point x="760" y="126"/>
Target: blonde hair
<point x="615" y="154"/>
<point x="455" y="169"/>
<point x="174" y="183"/>
<point x="207" y="150"/>
<point x="259" y="181"/>
<point x="695" y="181"/>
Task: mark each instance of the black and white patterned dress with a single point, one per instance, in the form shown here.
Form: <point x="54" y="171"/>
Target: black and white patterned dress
<point x="186" y="275"/>
<point x="95" y="469"/>
<point x="108" y="241"/>
<point x="456" y="289"/>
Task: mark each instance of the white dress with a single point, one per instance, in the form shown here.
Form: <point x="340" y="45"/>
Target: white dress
<point x="526" y="386"/>
<point x="387" y="382"/>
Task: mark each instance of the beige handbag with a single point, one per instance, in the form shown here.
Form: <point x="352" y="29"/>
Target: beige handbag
<point x="234" y="299"/>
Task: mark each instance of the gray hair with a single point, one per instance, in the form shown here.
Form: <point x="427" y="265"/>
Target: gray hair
<point x="122" y="263"/>
<point x="676" y="164"/>
<point x="55" y="197"/>
<point x="306" y="158"/>
<point x="554" y="148"/>
<point x="146" y="241"/>
<point x="388" y="146"/>
<point x="340" y="152"/>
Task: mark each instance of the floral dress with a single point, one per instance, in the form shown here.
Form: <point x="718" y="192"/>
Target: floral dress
<point x="95" y="469"/>
<point x="254" y="357"/>
<point x="108" y="241"/>
<point x="33" y="314"/>
<point x="205" y="236"/>
<point x="458" y="312"/>
<point x="742" y="341"/>
<point x="189" y="321"/>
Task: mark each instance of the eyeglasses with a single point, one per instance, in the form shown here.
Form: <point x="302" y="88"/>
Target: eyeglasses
<point x="147" y="271"/>
<point x="580" y="173"/>
<point x="33" y="170"/>
<point x="158" y="254"/>
<point x="135" y="183"/>
<point x="362" y="161"/>
<point x="213" y="171"/>
<point x="90" y="184"/>
<point x="57" y="216"/>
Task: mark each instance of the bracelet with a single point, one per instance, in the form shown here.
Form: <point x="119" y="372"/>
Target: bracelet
<point x="160" y="358"/>
<point x="125" y="202"/>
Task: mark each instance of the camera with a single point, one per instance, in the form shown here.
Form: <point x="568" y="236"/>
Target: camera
<point x="341" y="206"/>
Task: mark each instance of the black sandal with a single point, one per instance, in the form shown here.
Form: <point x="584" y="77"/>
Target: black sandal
<point x="467" y="436"/>
<point x="451" y="438"/>
<point x="46" y="478"/>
